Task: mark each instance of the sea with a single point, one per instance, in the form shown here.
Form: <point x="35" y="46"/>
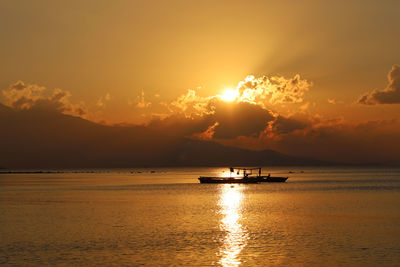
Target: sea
<point x="322" y="216"/>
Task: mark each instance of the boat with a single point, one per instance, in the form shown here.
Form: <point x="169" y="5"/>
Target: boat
<point x="227" y="180"/>
<point x="243" y="176"/>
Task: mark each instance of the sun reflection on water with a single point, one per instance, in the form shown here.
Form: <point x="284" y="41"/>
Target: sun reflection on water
<point x="235" y="235"/>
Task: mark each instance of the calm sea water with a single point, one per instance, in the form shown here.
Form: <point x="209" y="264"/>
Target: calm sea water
<point x="321" y="217"/>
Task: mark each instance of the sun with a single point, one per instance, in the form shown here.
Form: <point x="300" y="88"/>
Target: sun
<point x="229" y="95"/>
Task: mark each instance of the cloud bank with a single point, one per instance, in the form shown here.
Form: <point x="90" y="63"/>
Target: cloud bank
<point x="389" y="95"/>
<point x="21" y="96"/>
<point x="247" y="115"/>
<point x="332" y="140"/>
<point x="252" y="120"/>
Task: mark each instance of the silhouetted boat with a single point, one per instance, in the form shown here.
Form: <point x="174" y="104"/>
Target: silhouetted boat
<point x="227" y="180"/>
<point x="243" y="176"/>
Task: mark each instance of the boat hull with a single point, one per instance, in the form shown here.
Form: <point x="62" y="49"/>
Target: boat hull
<point x="227" y="180"/>
<point x="271" y="179"/>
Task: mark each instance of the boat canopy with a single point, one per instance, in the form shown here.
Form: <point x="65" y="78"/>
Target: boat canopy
<point x="245" y="171"/>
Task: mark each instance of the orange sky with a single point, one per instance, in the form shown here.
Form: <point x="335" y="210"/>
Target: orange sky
<point x="313" y="64"/>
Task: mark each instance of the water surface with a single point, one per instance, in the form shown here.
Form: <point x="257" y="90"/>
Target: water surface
<point x="321" y="216"/>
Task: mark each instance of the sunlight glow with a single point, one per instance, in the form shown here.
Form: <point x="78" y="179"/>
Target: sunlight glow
<point x="235" y="235"/>
<point x="230" y="174"/>
<point x="229" y="95"/>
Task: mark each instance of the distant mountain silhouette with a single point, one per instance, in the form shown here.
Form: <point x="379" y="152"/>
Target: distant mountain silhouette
<point x="47" y="139"/>
<point x="202" y="153"/>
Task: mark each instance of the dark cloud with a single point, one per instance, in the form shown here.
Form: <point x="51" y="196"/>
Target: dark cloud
<point x="228" y="120"/>
<point x="22" y="102"/>
<point x="66" y="141"/>
<point x="239" y="119"/>
<point x="179" y="125"/>
<point x="38" y="138"/>
<point x="334" y="140"/>
<point x="285" y="125"/>
<point x="389" y="95"/>
<point x="370" y="142"/>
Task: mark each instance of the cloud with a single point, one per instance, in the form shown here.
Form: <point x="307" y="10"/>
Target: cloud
<point x="101" y="102"/>
<point x="22" y="96"/>
<point x="207" y="134"/>
<point x="248" y="114"/>
<point x="179" y="125"/>
<point x="273" y="90"/>
<point x="304" y="107"/>
<point x="389" y="95"/>
<point x="239" y="119"/>
<point x="192" y="105"/>
<point x="216" y="119"/>
<point x="285" y="125"/>
<point x="263" y="91"/>
<point x="142" y="102"/>
<point x="330" y="140"/>
<point x="242" y="124"/>
<point x="252" y="120"/>
<point x="19" y="85"/>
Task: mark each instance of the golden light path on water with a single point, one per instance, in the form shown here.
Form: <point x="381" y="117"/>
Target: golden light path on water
<point x="235" y="235"/>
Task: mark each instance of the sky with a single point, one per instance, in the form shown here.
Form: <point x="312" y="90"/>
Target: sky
<point x="306" y="78"/>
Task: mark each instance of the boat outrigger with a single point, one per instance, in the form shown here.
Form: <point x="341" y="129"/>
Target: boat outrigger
<point x="243" y="176"/>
